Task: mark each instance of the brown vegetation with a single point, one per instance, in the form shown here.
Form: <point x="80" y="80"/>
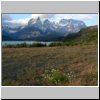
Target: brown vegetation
<point x="48" y="66"/>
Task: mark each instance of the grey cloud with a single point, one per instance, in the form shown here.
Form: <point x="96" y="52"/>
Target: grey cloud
<point x="6" y="17"/>
<point x="48" y="16"/>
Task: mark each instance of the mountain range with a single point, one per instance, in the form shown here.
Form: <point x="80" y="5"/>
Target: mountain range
<point x="39" y="30"/>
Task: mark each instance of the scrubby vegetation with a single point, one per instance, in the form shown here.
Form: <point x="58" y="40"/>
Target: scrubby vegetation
<point x="69" y="65"/>
<point x="24" y="45"/>
<point x="53" y="44"/>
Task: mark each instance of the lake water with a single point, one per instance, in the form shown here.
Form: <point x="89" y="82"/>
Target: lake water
<point x="20" y="42"/>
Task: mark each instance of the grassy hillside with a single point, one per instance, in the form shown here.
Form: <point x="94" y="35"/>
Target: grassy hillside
<point x="85" y="36"/>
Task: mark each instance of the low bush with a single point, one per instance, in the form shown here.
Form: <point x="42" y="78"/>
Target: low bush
<point x="37" y="45"/>
<point x="24" y="45"/>
<point x="53" y="44"/>
<point x="55" y="77"/>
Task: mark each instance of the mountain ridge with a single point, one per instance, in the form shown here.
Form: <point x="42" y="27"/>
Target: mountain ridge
<point x="36" y="29"/>
<point x="88" y="35"/>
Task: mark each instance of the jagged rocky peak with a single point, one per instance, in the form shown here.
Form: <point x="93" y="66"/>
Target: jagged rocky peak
<point x="38" y="20"/>
<point x="46" y="21"/>
<point x="63" y="21"/>
<point x="48" y="24"/>
<point x="31" y="21"/>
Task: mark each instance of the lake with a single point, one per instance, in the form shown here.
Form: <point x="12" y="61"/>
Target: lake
<point x="20" y="42"/>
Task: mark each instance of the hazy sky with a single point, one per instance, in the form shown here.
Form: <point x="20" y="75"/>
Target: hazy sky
<point x="22" y="19"/>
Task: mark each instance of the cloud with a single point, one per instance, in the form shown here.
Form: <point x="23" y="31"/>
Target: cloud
<point x="76" y="16"/>
<point x="37" y="15"/>
<point x="81" y="16"/>
<point x="7" y="20"/>
<point x="20" y="21"/>
<point x="42" y="16"/>
<point x="6" y="17"/>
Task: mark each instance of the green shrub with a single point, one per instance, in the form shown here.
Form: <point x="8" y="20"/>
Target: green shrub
<point x="25" y="45"/>
<point x="55" y="77"/>
<point x="70" y="43"/>
<point x="53" y="44"/>
<point x="37" y="45"/>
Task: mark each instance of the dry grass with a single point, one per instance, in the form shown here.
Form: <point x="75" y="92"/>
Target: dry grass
<point x="33" y="66"/>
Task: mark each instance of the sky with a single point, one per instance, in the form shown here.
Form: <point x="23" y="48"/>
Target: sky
<point x="22" y="19"/>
